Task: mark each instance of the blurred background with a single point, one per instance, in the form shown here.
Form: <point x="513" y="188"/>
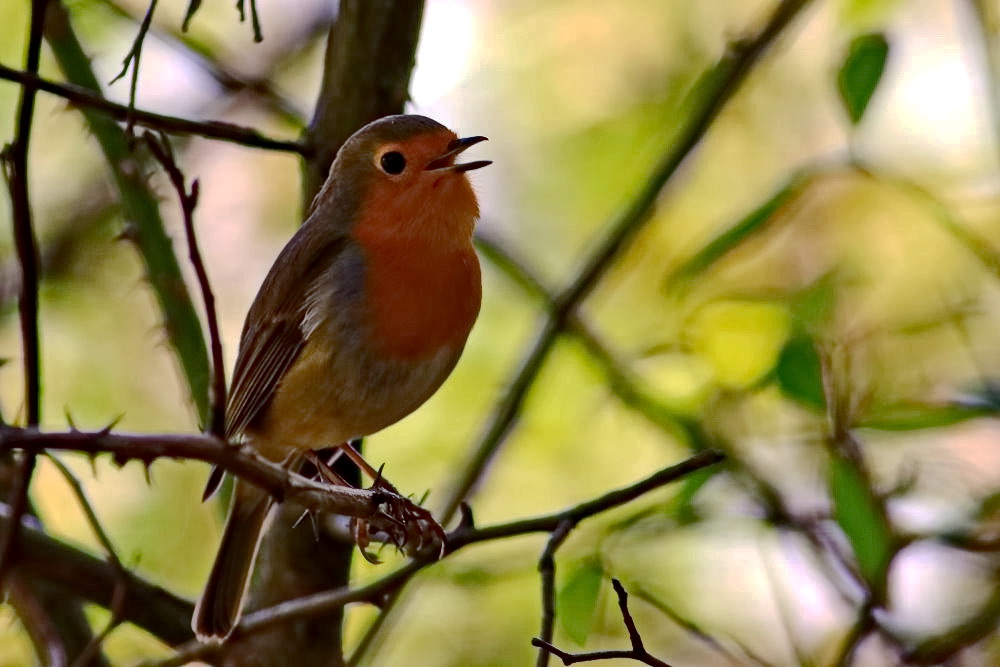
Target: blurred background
<point x="817" y="294"/>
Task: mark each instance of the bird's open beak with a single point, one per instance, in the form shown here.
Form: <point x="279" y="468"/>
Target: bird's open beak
<point x="447" y="159"/>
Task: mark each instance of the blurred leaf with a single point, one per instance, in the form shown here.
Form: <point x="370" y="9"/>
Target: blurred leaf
<point x="861" y="72"/>
<point x="738" y="233"/>
<point x="740" y="340"/>
<point x="813" y="305"/>
<point x="684" y="501"/>
<point x="861" y="514"/>
<point x="576" y="604"/>
<point x="799" y="373"/>
<point x="916" y="416"/>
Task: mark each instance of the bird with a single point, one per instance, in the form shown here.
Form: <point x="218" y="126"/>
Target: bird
<point x="361" y="318"/>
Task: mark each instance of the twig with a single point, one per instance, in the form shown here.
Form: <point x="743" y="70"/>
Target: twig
<point x="547" y="573"/>
<point x="254" y="19"/>
<point x="231" y="81"/>
<point x="193" y="7"/>
<point x="132" y="59"/>
<point x="117" y="608"/>
<point x="687" y="624"/>
<point x="88" y="511"/>
<point x="118" y="598"/>
<point x="726" y="78"/>
<point x="637" y="653"/>
<point x="211" y="129"/>
<point x="15" y="160"/>
<point x="160" y="147"/>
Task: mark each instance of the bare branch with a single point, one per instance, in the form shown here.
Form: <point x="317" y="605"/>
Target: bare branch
<point x="637" y="653"/>
<point x="160" y="147"/>
<point x="76" y="574"/>
<point x="212" y="129"/>
<point x="15" y="163"/>
<point x="132" y="59"/>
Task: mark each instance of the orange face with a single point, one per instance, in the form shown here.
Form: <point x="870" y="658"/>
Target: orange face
<point x="414" y="189"/>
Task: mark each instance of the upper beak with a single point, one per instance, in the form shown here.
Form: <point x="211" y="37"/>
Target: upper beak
<point x="446" y="159"/>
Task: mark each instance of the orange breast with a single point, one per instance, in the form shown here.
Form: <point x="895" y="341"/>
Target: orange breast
<point x="421" y="299"/>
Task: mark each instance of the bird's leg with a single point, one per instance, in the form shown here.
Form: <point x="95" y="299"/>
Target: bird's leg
<point x="379" y="482"/>
<point x="328" y="474"/>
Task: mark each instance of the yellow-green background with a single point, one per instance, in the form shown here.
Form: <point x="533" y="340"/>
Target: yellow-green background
<point x="579" y="99"/>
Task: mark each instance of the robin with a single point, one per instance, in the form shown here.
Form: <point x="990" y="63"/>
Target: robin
<point x="361" y="318"/>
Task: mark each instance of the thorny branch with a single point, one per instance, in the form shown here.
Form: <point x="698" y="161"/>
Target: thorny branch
<point x="160" y="147"/>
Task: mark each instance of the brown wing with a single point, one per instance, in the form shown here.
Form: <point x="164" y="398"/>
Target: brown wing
<point x="274" y="333"/>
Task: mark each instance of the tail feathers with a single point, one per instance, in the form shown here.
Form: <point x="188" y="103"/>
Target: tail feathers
<point x="218" y="611"/>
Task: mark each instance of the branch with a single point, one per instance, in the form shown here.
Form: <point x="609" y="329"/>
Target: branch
<point x="15" y="163"/>
<point x="547" y="571"/>
<point x="464" y="535"/>
<point x="81" y="96"/>
<point x="719" y="85"/>
<point x="132" y="59"/>
<point x="76" y="574"/>
<point x="367" y="504"/>
<point x="160" y="147"/>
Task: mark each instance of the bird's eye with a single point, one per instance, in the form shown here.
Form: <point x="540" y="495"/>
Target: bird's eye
<point x="393" y="162"/>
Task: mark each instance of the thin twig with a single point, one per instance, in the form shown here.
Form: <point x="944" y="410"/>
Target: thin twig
<point x="15" y="160"/>
<point x="687" y="624"/>
<point x="83" y="97"/>
<point x="132" y="59"/>
<point x="547" y="574"/>
<point x="121" y="579"/>
<point x="160" y="147"/>
<point x="727" y="77"/>
<point x="254" y="19"/>
<point x="638" y="652"/>
<point x="260" y="84"/>
<point x="89" y="513"/>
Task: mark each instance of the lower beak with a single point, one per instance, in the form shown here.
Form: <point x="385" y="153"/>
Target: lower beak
<point x="447" y="159"/>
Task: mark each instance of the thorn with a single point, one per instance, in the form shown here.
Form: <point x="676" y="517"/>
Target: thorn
<point x="107" y="429"/>
<point x="466" y="520"/>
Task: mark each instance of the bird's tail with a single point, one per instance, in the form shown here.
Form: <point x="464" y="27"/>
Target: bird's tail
<point x="218" y="610"/>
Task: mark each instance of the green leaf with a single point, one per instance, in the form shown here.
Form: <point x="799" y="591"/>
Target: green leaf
<point x="799" y="373"/>
<point x="917" y="416"/>
<point x="731" y="238"/>
<point x="861" y="514"/>
<point x="861" y="72"/>
<point x="576" y="603"/>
